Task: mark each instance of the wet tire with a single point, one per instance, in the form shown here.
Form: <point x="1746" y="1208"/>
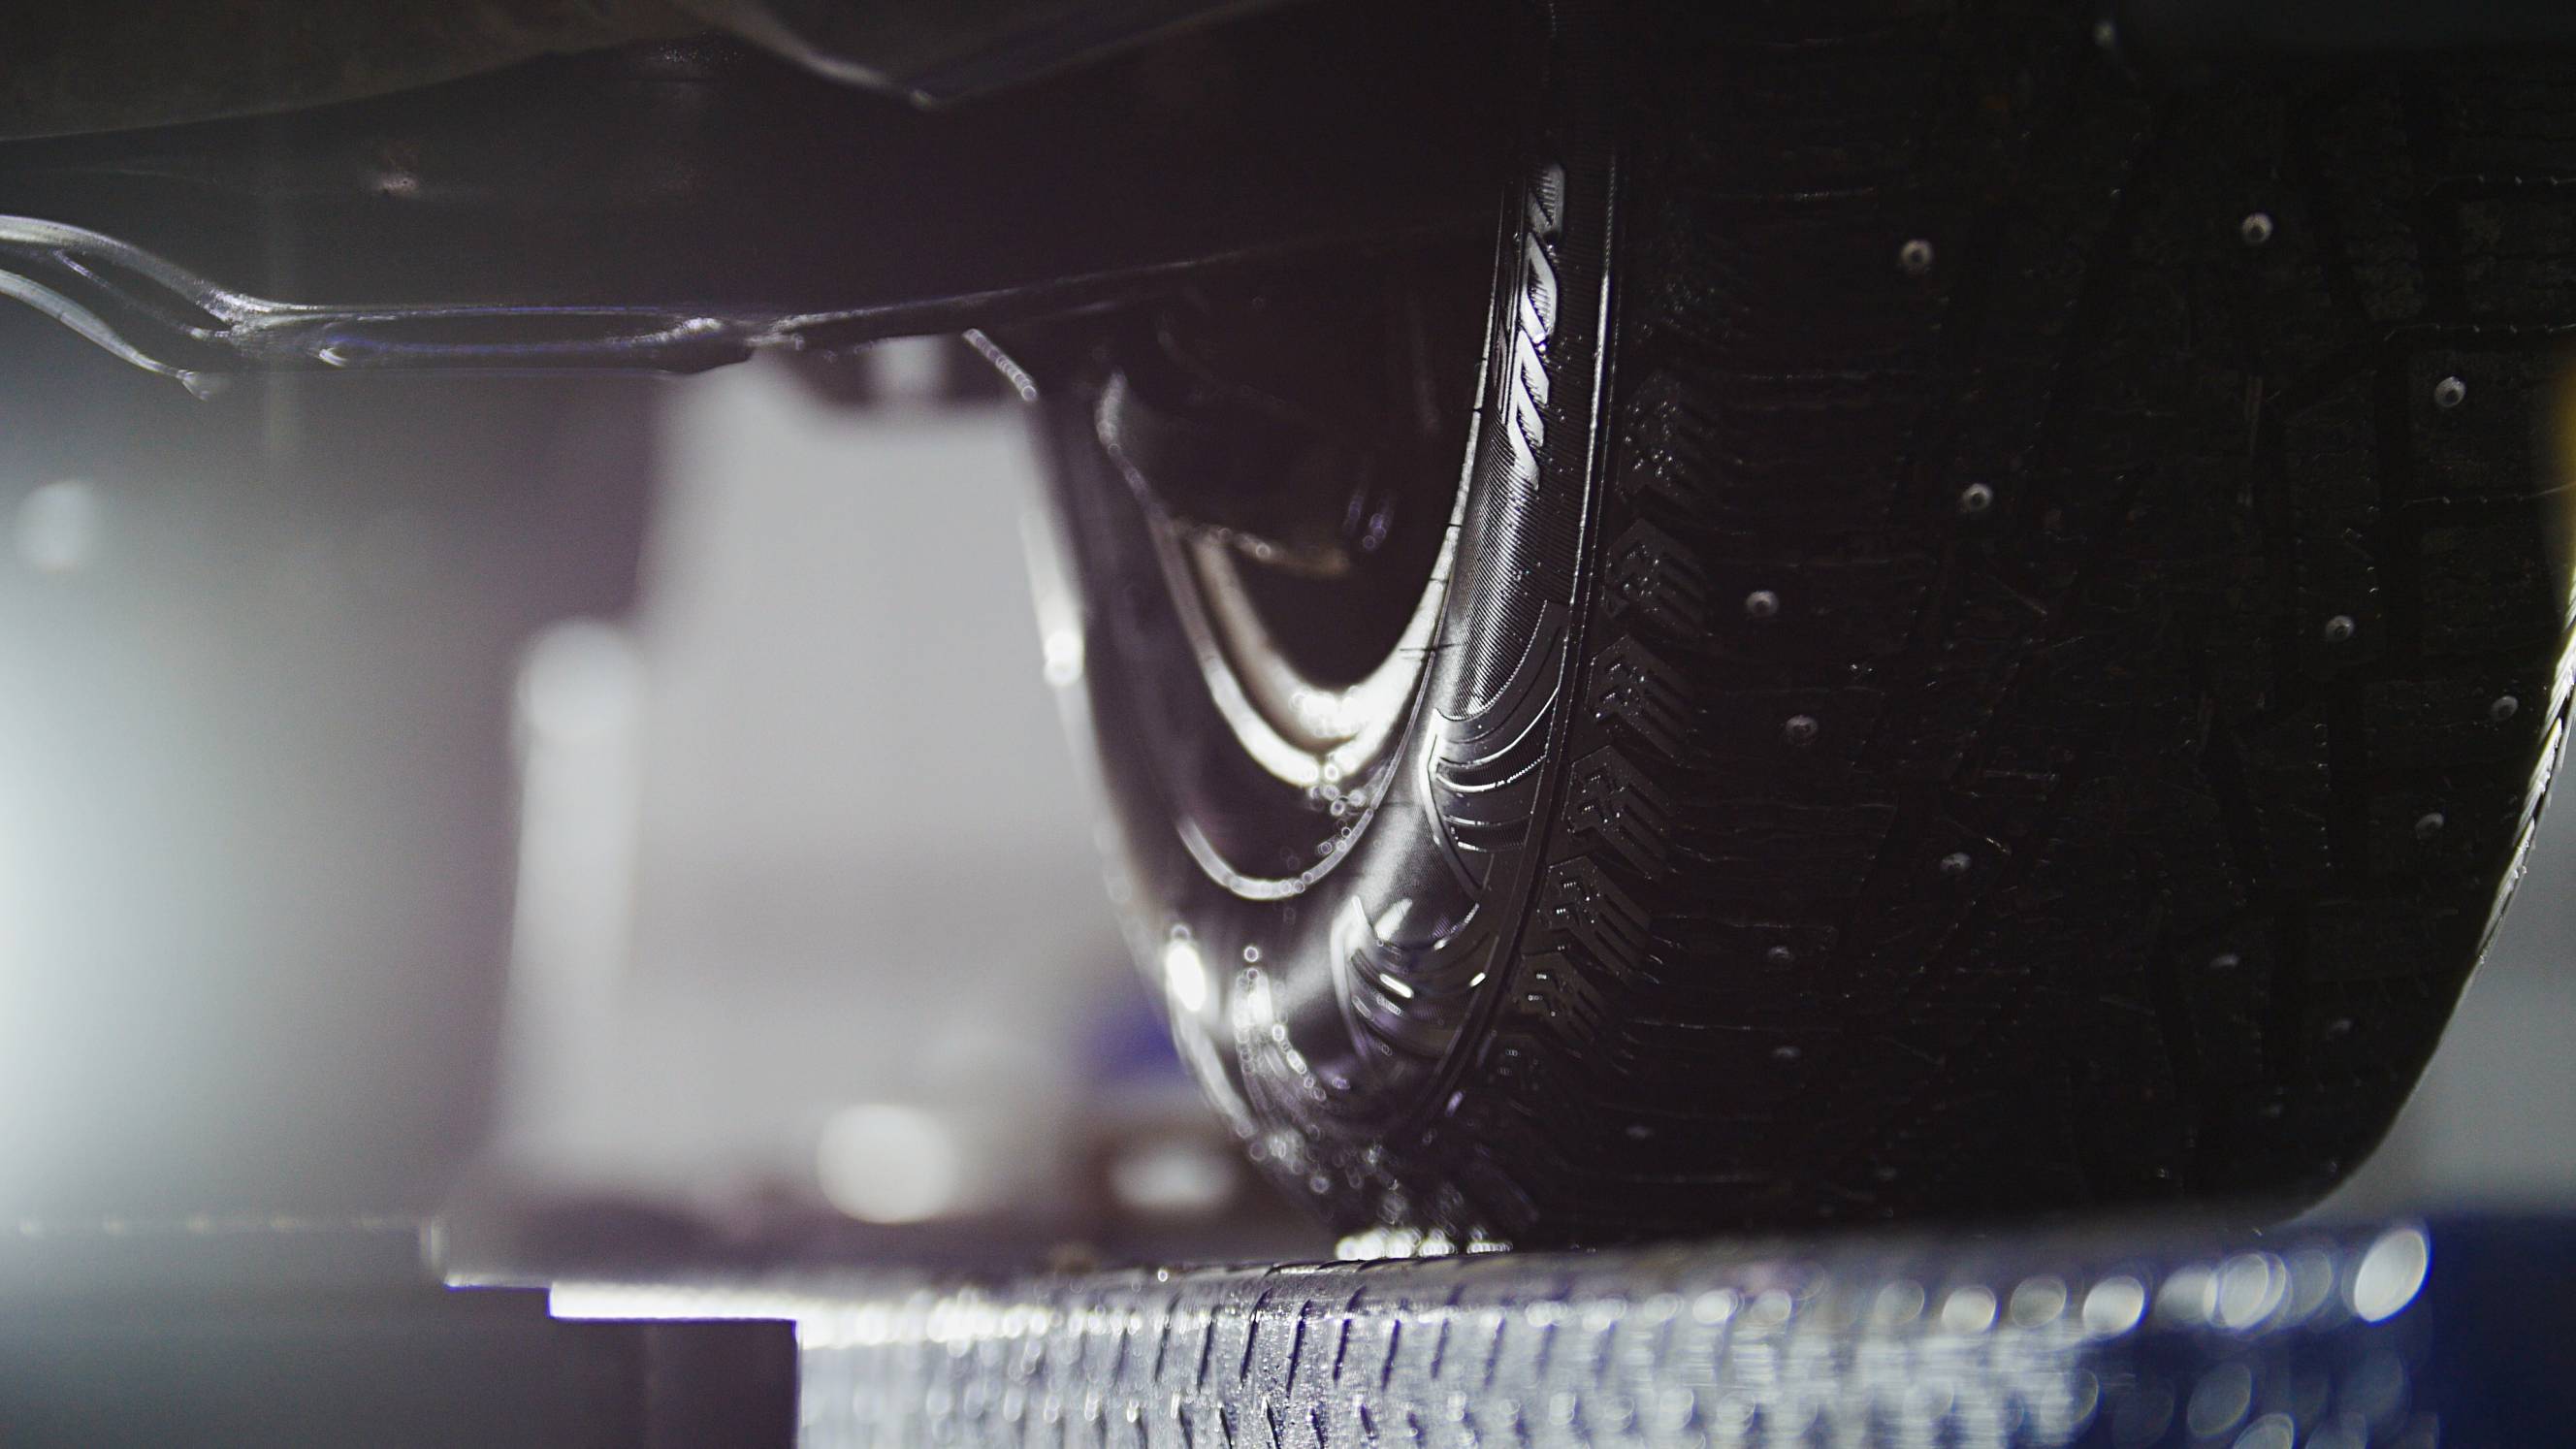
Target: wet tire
<point x="2004" y="646"/>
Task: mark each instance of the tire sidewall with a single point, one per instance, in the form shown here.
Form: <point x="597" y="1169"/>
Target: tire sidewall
<point x="1334" y="1012"/>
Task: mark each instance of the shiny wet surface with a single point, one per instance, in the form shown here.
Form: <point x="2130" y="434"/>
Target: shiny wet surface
<point x="2397" y="1334"/>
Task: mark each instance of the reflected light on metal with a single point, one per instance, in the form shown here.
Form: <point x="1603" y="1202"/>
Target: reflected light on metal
<point x="660" y="1302"/>
<point x="1663" y="1346"/>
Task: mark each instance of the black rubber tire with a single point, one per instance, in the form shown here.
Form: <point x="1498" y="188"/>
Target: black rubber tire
<point x="2157" y="684"/>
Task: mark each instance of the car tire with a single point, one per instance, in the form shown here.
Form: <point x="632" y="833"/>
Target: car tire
<point x="2003" y="646"/>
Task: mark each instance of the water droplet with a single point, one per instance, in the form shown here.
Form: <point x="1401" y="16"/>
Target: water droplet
<point x="1761" y="604"/>
<point x="2219" y="1400"/>
<point x="2429" y="824"/>
<point x="2272" y="1431"/>
<point x="2449" y="393"/>
<point x="1801" y="729"/>
<point x="2037" y="1301"/>
<point x="1968" y="1310"/>
<point x="1976" y="498"/>
<point x="2375" y="1389"/>
<point x="1915" y="257"/>
<point x="2256" y="228"/>
<point x="2504" y="708"/>
<point x="2390" y="1274"/>
<point x="2250" y="1289"/>
<point x="2340" y="628"/>
<point x="1956" y="864"/>
<point x="2114" y="1306"/>
<point x="1897" y="1304"/>
<point x="2225" y="961"/>
<point x="1780" y="957"/>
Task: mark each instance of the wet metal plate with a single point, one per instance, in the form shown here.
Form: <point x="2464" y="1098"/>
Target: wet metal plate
<point x="2400" y="1334"/>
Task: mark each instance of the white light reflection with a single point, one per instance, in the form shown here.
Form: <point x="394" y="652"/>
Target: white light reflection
<point x="663" y="1302"/>
<point x="1968" y="1310"/>
<point x="2390" y="1274"/>
<point x="2027" y="1378"/>
<point x="57" y="528"/>
<point x="1172" y="1177"/>
<point x="909" y="371"/>
<point x="886" y="1163"/>
<point x="1185" y="974"/>
<point x="1063" y="657"/>
<point x="580" y="709"/>
<point x="2114" y="1306"/>
<point x="2251" y="1287"/>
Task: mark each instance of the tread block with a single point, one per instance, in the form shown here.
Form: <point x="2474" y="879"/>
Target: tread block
<point x="2366" y="177"/>
<point x="2342" y="620"/>
<point x="2236" y="654"/>
<point x="2449" y="825"/>
<point x="1760" y="728"/>
<point x="2491" y="444"/>
<point x="2508" y="118"/>
<point x="1767" y="854"/>
<point x="1829" y="115"/>
<point x="1613" y="804"/>
<point x="2378" y="1024"/>
<point x="2383" y="936"/>
<point x="2290" y="780"/>
<point x="1801" y="452"/>
<point x="2226" y="988"/>
<point x="2307" y="1130"/>
<point x="2487" y="588"/>
<point x="2515" y="249"/>
<point x="2330" y="457"/>
<point x="1816" y="285"/>
<point x="1745" y="946"/>
<point x="2199" y="881"/>
<point x="1657" y="580"/>
<point x="1827" y="609"/>
<point x="1949" y="709"/>
<point x="1634" y="686"/>
<point x="2301" y="327"/>
<point x="1579" y="904"/>
<point x="2418" y="724"/>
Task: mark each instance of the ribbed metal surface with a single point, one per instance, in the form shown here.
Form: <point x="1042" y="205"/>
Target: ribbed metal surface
<point x="2384" y="1336"/>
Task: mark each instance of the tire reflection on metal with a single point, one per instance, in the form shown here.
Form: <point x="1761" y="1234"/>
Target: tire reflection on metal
<point x="2306" y="1337"/>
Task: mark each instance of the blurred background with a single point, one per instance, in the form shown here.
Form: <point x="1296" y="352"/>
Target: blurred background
<point x="571" y="793"/>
